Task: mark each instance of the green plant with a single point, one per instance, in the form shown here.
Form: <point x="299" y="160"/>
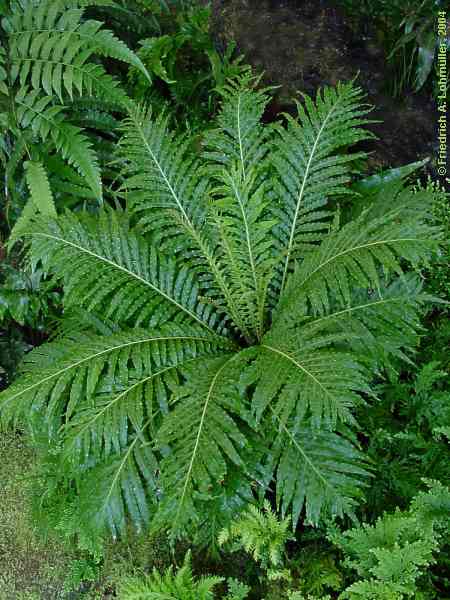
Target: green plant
<point x="81" y="571"/>
<point x="315" y="569"/>
<point x="437" y="276"/>
<point x="415" y="52"/>
<point x="28" y="303"/>
<point x="408" y="32"/>
<point x="185" y="66"/>
<point x="232" y="326"/>
<point x="54" y="89"/>
<point x="180" y="585"/>
<point x="262" y="535"/>
<point x="299" y="596"/>
<point x="391" y="556"/>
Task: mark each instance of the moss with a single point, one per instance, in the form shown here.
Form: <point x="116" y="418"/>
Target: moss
<point x="30" y="569"/>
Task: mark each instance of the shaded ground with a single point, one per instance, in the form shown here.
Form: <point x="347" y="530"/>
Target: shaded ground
<point x="29" y="569"/>
<point x="304" y="44"/>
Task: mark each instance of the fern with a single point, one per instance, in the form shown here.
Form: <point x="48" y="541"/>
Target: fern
<point x="51" y="58"/>
<point x="41" y="193"/>
<point x="263" y="536"/>
<point x="390" y="557"/>
<point x="179" y="586"/>
<point x="233" y="325"/>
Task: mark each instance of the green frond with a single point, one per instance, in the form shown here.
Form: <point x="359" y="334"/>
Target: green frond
<point x="123" y="486"/>
<point x="162" y="181"/>
<point x="312" y="166"/>
<point x="46" y="120"/>
<point x="180" y="585"/>
<point x="237" y="152"/>
<point x="245" y="242"/>
<point x="98" y="423"/>
<point x="50" y="46"/>
<point x="107" y="44"/>
<point x="168" y="192"/>
<point x="319" y="472"/>
<point x="239" y="136"/>
<point x="302" y="372"/>
<point x="382" y="324"/>
<point x="356" y="254"/>
<point x="260" y="533"/>
<point x="40" y="191"/>
<point x="76" y="375"/>
<point x="203" y="437"/>
<point x="106" y="265"/>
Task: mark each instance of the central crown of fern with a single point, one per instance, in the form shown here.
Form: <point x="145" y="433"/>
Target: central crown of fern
<point x="225" y="333"/>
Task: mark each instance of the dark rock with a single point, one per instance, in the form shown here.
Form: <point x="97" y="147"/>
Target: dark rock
<point x="302" y="45"/>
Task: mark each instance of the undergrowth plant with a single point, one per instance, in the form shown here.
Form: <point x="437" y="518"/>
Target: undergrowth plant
<point x="187" y="69"/>
<point x="262" y="535"/>
<point x="54" y="89"/>
<point x="408" y="31"/>
<point x="181" y="585"/>
<point x="227" y="323"/>
<point x="392" y="556"/>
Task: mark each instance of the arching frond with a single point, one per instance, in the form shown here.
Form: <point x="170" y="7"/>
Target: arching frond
<point x="99" y="424"/>
<point x="238" y="150"/>
<point x="50" y="46"/>
<point x="239" y="136"/>
<point x="105" y="264"/>
<point x="169" y="194"/>
<point x="68" y="375"/>
<point x="203" y="436"/>
<point x="310" y="168"/>
<point x="379" y="324"/>
<point x="319" y="472"/>
<point x="302" y="373"/>
<point x="355" y="254"/>
<point x="124" y="485"/>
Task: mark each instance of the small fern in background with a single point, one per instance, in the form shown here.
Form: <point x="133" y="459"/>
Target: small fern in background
<point x="179" y="586"/>
<point x="392" y="556"/>
<point x="261" y="535"/>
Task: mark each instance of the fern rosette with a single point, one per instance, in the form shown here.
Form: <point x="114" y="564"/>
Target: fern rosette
<point x="228" y="323"/>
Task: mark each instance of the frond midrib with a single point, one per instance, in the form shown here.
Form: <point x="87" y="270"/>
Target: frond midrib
<point x="101" y="353"/>
<point x="234" y="312"/>
<point x="358" y="307"/>
<point x="108" y="406"/>
<point x="300" y="196"/>
<point x="128" y="272"/>
<point x="300" y="366"/>
<point x="359" y="247"/>
<point x="302" y="452"/>
<point x="199" y="433"/>
<point x="260" y="310"/>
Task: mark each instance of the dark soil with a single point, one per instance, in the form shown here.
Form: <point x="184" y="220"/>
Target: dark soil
<point x="302" y="45"/>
